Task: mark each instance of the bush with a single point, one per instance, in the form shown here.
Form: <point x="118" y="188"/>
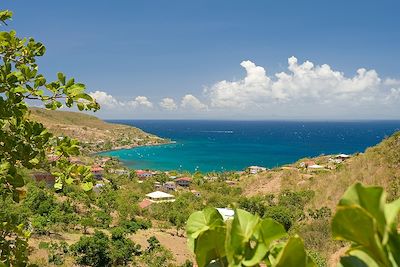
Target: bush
<point x="92" y="250"/>
<point x="280" y="214"/>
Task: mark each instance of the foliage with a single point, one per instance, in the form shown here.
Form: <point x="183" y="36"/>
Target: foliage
<point x="25" y="142"/>
<point x="365" y="219"/>
<point x="92" y="250"/>
<point x="156" y="255"/>
<point x="247" y="240"/>
<point x="57" y="252"/>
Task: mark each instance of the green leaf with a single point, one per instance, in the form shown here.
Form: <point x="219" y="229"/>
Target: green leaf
<point x="238" y="246"/>
<point x="61" y="78"/>
<point x="87" y="186"/>
<point x="355" y="224"/>
<point x="293" y="254"/>
<point x="206" y="235"/>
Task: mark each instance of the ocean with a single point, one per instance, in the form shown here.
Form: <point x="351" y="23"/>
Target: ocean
<point x="234" y="145"/>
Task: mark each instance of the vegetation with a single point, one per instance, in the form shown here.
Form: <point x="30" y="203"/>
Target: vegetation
<point x="24" y="142"/>
<point x="287" y="226"/>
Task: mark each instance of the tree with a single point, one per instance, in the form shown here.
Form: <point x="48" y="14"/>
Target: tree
<point x="24" y="142"/>
<point x="93" y="250"/>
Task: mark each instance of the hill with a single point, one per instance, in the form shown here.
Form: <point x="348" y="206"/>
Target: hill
<point x="92" y="132"/>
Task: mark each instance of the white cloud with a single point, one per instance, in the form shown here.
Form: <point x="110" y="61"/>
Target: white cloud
<point x="191" y="102"/>
<point x="141" y="101"/>
<point x="303" y="82"/>
<point x="104" y="99"/>
<point x="168" y="104"/>
<point x="391" y="82"/>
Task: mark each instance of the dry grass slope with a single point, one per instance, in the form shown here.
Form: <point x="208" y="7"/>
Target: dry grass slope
<point x="90" y="129"/>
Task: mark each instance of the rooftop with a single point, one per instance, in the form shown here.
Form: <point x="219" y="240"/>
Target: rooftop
<point x="159" y="195"/>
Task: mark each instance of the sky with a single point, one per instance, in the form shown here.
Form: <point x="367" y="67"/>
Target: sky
<point x="223" y="59"/>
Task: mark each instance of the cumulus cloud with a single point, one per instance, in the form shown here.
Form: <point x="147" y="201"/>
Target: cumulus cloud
<point x="105" y="100"/>
<point x="141" y="101"/>
<point x="302" y="82"/>
<point x="192" y="102"/>
<point x="168" y="104"/>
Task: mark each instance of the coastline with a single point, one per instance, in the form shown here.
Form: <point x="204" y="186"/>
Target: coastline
<point x="133" y="146"/>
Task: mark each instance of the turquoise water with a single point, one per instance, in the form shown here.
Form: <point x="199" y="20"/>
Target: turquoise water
<point x="234" y="145"/>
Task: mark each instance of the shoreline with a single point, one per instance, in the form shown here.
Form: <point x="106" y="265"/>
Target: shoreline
<point x="131" y="147"/>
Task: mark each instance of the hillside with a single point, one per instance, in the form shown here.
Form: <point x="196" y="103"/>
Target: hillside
<point x="92" y="132"/>
<point x="378" y="165"/>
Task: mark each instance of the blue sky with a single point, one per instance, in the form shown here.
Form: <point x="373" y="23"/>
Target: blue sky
<point x="133" y="55"/>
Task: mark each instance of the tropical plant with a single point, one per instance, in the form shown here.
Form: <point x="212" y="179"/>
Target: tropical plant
<point x="247" y="240"/>
<point x="25" y="143"/>
<point x="364" y="218"/>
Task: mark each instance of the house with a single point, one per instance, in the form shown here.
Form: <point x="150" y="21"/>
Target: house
<point x="340" y="158"/>
<point x="226" y="214"/>
<point x="121" y="172"/>
<point x="97" y="172"/>
<point x="47" y="177"/>
<point x="143" y="175"/>
<point x="315" y="167"/>
<point x="145" y="203"/>
<point x="256" y="169"/>
<point x="159" y="197"/>
<point x="307" y="163"/>
<point x="184" y="181"/>
<point x="169" y="186"/>
<point x="75" y="160"/>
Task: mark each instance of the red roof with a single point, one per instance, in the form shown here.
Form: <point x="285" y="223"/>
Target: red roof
<point x="145" y="203"/>
<point x="139" y="172"/>
<point x="97" y="169"/>
<point x="184" y="179"/>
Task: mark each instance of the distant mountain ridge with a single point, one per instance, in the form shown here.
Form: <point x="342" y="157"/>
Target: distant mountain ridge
<point x="95" y="134"/>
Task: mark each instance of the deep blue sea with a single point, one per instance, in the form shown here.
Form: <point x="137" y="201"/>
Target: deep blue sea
<point x="234" y="145"/>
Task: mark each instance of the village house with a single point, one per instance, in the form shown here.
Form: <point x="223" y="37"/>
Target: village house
<point x="170" y="186"/>
<point x="47" y="177"/>
<point x="184" y="181"/>
<point x="315" y="167"/>
<point x="339" y="158"/>
<point x="143" y="175"/>
<point x="256" y="169"/>
<point x="159" y="197"/>
<point x="145" y="203"/>
<point x="307" y="163"/>
<point x="97" y="172"/>
<point x="75" y="160"/>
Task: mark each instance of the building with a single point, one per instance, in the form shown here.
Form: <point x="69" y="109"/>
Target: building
<point x="170" y="186"/>
<point x="47" y="177"/>
<point x="256" y="169"/>
<point x="226" y="214"/>
<point x="143" y="175"/>
<point x="184" y="181"/>
<point x="97" y="172"/>
<point x="307" y="163"/>
<point x="340" y="158"/>
<point x="145" y="203"/>
<point x="315" y="167"/>
<point x="159" y="197"/>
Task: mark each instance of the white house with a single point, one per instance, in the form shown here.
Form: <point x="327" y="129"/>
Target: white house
<point x="158" y="197"/>
<point x="256" y="169"/>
